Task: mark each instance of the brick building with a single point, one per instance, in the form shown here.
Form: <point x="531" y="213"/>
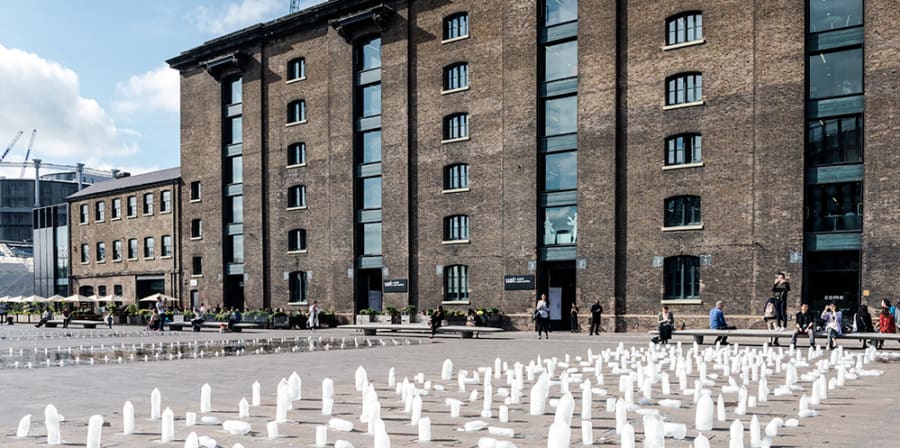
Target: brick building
<point x="124" y="237"/>
<point x="472" y="153"/>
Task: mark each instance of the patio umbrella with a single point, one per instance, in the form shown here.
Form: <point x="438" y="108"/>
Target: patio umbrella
<point x="4" y="299"/>
<point x="92" y="299"/>
<point x="55" y="298"/>
<point x="32" y="298"/>
<point x="155" y="297"/>
<point x="75" y="298"/>
<point x="109" y="299"/>
<point x="16" y="299"/>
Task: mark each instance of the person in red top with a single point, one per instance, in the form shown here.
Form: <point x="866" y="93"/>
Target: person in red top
<point x="886" y="324"/>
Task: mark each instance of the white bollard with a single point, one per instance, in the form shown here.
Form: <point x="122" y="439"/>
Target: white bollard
<point x="167" y="432"/>
<point x="205" y="399"/>
<point x="255" y="396"/>
<point x="425" y="429"/>
<point x="190" y="418"/>
<point x="95" y="426"/>
<point x="321" y="435"/>
<point x="24" y="426"/>
<point x="587" y="433"/>
<point x="243" y="408"/>
<point x="128" y="418"/>
<point x="155" y="404"/>
<point x="51" y="421"/>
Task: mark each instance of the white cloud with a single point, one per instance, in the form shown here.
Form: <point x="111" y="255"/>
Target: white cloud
<point x="41" y="94"/>
<point x="233" y="16"/>
<point x="156" y="90"/>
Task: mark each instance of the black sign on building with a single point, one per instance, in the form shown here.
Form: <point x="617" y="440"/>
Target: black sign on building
<point x="396" y="285"/>
<point x="518" y="282"/>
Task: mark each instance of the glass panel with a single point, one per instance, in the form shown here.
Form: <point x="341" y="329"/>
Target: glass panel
<point x="371" y="100"/>
<point x="834" y="207"/>
<point x="456" y="126"/>
<point x="234" y="170"/>
<point x="166" y="203"/>
<point x="457" y="177"/>
<point x="561" y="61"/>
<point x="834" y="141"/>
<point x="560" y="11"/>
<point x="371" y="143"/>
<point x="826" y="15"/>
<point x="560" y="225"/>
<point x="836" y="73"/>
<point x="235" y="130"/>
<point x="237" y="248"/>
<point x="682" y="211"/>
<point x="561" y="171"/>
<point x="148" y="247"/>
<point x="132" y="248"/>
<point x="372" y="238"/>
<point x="456" y="26"/>
<point x="233" y="92"/>
<point x="235" y="210"/>
<point x="457" y="77"/>
<point x="297" y="154"/>
<point x="371" y="54"/>
<point x="117" y="250"/>
<point x="297" y="68"/>
<point x="561" y="116"/>
<point x="371" y="193"/>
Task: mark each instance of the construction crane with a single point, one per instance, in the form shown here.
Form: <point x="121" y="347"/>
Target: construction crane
<point x="28" y="152"/>
<point x="11" y="144"/>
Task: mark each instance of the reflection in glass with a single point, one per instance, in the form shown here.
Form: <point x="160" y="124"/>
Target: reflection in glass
<point x="236" y="246"/>
<point x="297" y="287"/>
<point x="456" y="282"/>
<point x="561" y="115"/>
<point x="234" y="170"/>
<point x="686" y="88"/>
<point x="835" y="141"/>
<point x="296" y="111"/>
<point x="296" y="154"/>
<point x="560" y="11"/>
<point x="371" y="193"/>
<point x="836" y="73"/>
<point x="682" y="211"/>
<point x="560" y="225"/>
<point x="456" y="26"/>
<point x="456" y="228"/>
<point x="234" y="91"/>
<point x="371" y="143"/>
<point x="682" y="277"/>
<point x="235" y="130"/>
<point x="235" y="212"/>
<point x="456" y="76"/>
<point x="684" y="28"/>
<point x="561" y="61"/>
<point x="371" y="54"/>
<point x="561" y="171"/>
<point x="684" y="148"/>
<point x="834" y="207"/>
<point x="456" y="176"/>
<point x="456" y="126"/>
<point x="371" y="100"/>
<point x="827" y="15"/>
<point x="372" y="238"/>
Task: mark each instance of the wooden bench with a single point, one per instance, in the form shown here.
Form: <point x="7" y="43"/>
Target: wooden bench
<point x="237" y="328"/>
<point x="698" y="334"/>
<point x="83" y="323"/>
<point x="465" y="332"/>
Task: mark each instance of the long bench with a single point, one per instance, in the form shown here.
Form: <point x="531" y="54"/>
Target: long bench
<point x="464" y="331"/>
<point x="83" y="323"/>
<point x="698" y="334"/>
<point x="237" y="328"/>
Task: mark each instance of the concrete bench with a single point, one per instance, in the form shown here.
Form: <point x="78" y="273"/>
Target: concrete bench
<point x="698" y="334"/>
<point x="83" y="323"/>
<point x="237" y="328"/>
<point x="465" y="332"/>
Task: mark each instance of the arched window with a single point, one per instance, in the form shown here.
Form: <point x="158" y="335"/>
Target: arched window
<point x="456" y="228"/>
<point x="456" y="26"/>
<point x="456" y="283"/>
<point x="296" y="154"/>
<point x="296" y="111"/>
<point x="86" y="291"/>
<point x="456" y="126"/>
<point x="456" y="76"/>
<point x="297" y="240"/>
<point x="684" y="27"/>
<point x="683" y="149"/>
<point x="684" y="88"/>
<point x="297" y="196"/>
<point x="296" y="69"/>
<point x="681" y="277"/>
<point x="682" y="211"/>
<point x="298" y="287"/>
<point x="456" y="176"/>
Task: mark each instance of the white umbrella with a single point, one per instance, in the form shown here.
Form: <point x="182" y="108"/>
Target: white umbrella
<point x="110" y="299"/>
<point x="75" y="298"/>
<point x="55" y="298"/>
<point x="32" y="298"/>
<point x="4" y="299"/>
<point x="157" y="296"/>
<point x="92" y="299"/>
<point x="16" y="299"/>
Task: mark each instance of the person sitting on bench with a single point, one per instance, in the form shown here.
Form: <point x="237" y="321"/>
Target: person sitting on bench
<point x="234" y="318"/>
<point x="717" y="321"/>
<point x="806" y="324"/>
<point x="46" y="316"/>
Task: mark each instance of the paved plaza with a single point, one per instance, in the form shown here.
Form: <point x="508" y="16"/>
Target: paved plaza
<point x="863" y="411"/>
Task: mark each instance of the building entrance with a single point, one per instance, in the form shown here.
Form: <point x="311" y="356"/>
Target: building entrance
<point x="146" y="287"/>
<point x="368" y="289"/>
<point x="833" y="276"/>
<point x="234" y="292"/>
<point x="560" y="280"/>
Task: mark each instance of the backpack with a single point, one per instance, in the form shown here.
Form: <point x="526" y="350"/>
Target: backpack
<point x="769" y="312"/>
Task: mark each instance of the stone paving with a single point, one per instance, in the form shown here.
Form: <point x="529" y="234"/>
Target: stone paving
<point x="864" y="411"/>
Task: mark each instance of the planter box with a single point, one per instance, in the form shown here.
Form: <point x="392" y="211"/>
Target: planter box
<point x="405" y="319"/>
<point x="363" y="319"/>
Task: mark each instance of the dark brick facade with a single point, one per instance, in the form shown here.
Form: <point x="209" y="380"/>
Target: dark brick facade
<point x="751" y="180"/>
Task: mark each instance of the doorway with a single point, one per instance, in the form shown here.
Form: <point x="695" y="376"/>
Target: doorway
<point x="833" y="276"/>
<point x="234" y="292"/>
<point x="368" y="289"/>
<point x="560" y="293"/>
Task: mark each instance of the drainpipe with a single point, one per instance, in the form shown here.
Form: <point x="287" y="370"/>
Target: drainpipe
<point x="37" y="182"/>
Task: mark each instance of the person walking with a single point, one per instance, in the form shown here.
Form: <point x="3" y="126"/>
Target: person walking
<point x="717" y="321"/>
<point x="596" y="312"/>
<point x="770" y="318"/>
<point x="436" y="318"/>
<point x="312" y="321"/>
<point x="108" y="317"/>
<point x="780" y="292"/>
<point x="886" y="324"/>
<point x="805" y="324"/>
<point x="67" y="317"/>
<point x="542" y="316"/>
<point x="832" y="317"/>
<point x="573" y="318"/>
<point x="666" y="321"/>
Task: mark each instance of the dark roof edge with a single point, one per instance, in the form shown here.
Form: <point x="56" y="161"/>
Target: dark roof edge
<point x="320" y="13"/>
<point x="130" y="183"/>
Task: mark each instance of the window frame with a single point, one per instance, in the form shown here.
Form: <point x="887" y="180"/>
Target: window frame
<point x="298" y="281"/>
<point x="449" y="75"/>
<point x="196" y="261"/>
<point x="456" y="229"/>
<point x="101" y="252"/>
<point x="690" y="146"/>
<point x="133" y="249"/>
<point x="147" y="207"/>
<point x="84" y="214"/>
<point x="100" y="211"/>
<point x="300" y="197"/>
<point x="676" y="268"/>
<point x="196" y="194"/>
<point x="681" y="36"/>
<point x="301" y="118"/>
<point x="290" y="153"/>
<point x="117" y="250"/>
<point x="450" y="176"/>
<point x="451" y="23"/>
<point x="458" y="122"/>
<point x="115" y="210"/>
<point x="842" y="142"/>
<point x="297" y="241"/>
<point x="671" y="91"/>
<point x="149" y="248"/>
<point x="456" y="279"/>
<point x="166" y="250"/>
<point x="196" y="229"/>
<point x="131" y="209"/>
<point x="85" y="253"/>
<point x="293" y="75"/>
<point x="165" y="205"/>
<point x="689" y="205"/>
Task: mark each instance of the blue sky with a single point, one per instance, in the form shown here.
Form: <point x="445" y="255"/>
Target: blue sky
<point x="90" y="75"/>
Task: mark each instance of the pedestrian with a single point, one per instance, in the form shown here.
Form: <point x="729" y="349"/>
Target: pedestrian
<point x="542" y="316"/>
<point x="770" y="318"/>
<point x="108" y="317"/>
<point x="437" y="318"/>
<point x="197" y="319"/>
<point x="886" y="324"/>
<point x="717" y="321"/>
<point x="234" y="318"/>
<point x="780" y="292"/>
<point x="67" y="317"/>
<point x="862" y="323"/>
<point x="832" y="317"/>
<point x="596" y="312"/>
<point x="573" y="318"/>
<point x="666" y="321"/>
<point x="2" y="313"/>
<point x="153" y="324"/>
<point x="805" y="325"/>
<point x="312" y="321"/>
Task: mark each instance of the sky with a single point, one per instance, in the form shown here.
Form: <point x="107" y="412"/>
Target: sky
<point x="91" y="76"/>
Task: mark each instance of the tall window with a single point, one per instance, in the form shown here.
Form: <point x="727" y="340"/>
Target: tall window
<point x="101" y="252"/>
<point x="827" y="15"/>
<point x="835" y="73"/>
<point x="149" y="247"/>
<point x="833" y="141"/>
<point x="117" y="250"/>
<point x="456" y="228"/>
<point x="456" y="283"/>
<point x="370" y="54"/>
<point x="297" y="240"/>
<point x="234" y="130"/>
<point x="561" y="115"/>
<point x="456" y="76"/>
<point x="234" y="248"/>
<point x="234" y="91"/>
<point x="682" y="211"/>
<point x="684" y="148"/>
<point x="456" y="126"/>
<point x="132" y="249"/>
<point x="195" y="190"/>
<point x="371" y="192"/>
<point x="298" y="289"/>
<point x="100" y="211"/>
<point x="132" y="206"/>
<point x="561" y="60"/>
<point x="682" y="277"/>
<point x="561" y="171"/>
<point x="296" y="154"/>
<point x="85" y="253"/>
<point x="196" y="228"/>
<point x="165" y="202"/>
<point x="297" y="196"/>
<point x="684" y="27"/>
<point x="684" y="88"/>
<point x="234" y="209"/>
<point x="148" y="203"/>
<point x="197" y="266"/>
<point x="456" y="26"/>
<point x="296" y="111"/>
<point x="117" y="290"/>
<point x="560" y="11"/>
<point x="560" y="225"/>
<point x="116" y="211"/>
<point x="296" y="69"/>
<point x="371" y="238"/>
<point x="370" y="100"/>
<point x="371" y="146"/>
<point x="835" y="207"/>
<point x="84" y="214"/>
<point x="234" y="170"/>
<point x="456" y="176"/>
<point x="166" y="246"/>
